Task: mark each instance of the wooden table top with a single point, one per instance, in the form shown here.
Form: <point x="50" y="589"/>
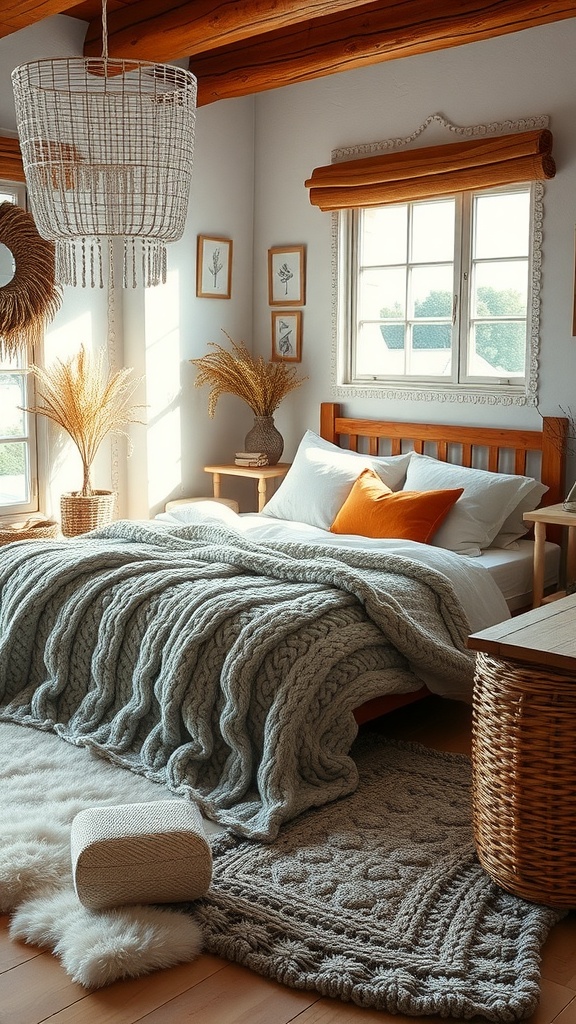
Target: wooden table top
<point x="544" y="636"/>
<point x="555" y="514"/>
<point x="262" y="472"/>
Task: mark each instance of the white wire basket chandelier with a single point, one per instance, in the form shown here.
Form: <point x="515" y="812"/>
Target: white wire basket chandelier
<point x="107" y="147"/>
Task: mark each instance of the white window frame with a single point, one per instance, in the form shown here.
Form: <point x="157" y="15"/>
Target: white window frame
<point x="343" y="387"/>
<point x="12" y="512"/>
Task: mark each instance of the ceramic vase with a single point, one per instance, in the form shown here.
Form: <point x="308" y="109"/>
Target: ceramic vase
<point x="570" y="500"/>
<point x="264" y="437"/>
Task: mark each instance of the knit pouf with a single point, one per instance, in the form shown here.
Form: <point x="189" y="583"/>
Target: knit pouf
<point x="140" y="853"/>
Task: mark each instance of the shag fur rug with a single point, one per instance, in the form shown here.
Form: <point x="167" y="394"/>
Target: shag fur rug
<point x="44" y="782"/>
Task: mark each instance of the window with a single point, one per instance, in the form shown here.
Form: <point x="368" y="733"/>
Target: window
<point x="438" y="294"/>
<point x="18" y="456"/>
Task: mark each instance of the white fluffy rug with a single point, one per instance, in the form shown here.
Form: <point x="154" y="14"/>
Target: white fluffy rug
<point x="44" y="782"/>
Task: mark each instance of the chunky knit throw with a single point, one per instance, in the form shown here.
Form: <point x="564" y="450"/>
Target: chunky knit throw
<point x="226" y="670"/>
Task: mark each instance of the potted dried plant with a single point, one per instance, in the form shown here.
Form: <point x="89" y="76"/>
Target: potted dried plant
<point x="88" y="404"/>
<point x="261" y="385"/>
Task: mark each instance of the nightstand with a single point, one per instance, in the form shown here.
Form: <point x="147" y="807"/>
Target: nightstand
<point x="552" y="515"/>
<point x="260" y="473"/>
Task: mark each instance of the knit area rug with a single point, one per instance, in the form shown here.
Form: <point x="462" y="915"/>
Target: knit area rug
<point x="379" y="898"/>
<point x="376" y="898"/>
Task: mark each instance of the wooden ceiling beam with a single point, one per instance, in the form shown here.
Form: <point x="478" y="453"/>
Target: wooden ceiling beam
<point x="163" y="30"/>
<point x="17" y="14"/>
<point x="11" y="166"/>
<point x="325" y="46"/>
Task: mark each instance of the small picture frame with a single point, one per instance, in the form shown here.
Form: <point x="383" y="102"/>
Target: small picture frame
<point x="286" y="276"/>
<point x="213" y="267"/>
<point x="287" y="336"/>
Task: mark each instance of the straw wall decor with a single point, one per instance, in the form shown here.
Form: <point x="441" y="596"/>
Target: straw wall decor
<point x="31" y="299"/>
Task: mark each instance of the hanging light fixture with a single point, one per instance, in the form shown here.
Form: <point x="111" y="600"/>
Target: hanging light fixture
<point x="107" y="148"/>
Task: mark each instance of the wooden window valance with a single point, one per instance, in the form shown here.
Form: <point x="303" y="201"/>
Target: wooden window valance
<point x="11" y="166"/>
<point x="433" y="171"/>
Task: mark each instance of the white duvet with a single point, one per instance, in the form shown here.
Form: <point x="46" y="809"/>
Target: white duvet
<point x="481" y="599"/>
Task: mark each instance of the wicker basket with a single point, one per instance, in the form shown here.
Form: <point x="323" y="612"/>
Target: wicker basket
<point x="524" y="778"/>
<point x="81" y="514"/>
<point x="32" y="529"/>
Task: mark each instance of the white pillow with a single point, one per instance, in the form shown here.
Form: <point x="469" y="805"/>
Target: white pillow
<point x="321" y="477"/>
<point x="514" y="526"/>
<point x="482" y="511"/>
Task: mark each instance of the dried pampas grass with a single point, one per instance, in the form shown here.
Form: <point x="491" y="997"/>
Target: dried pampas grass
<point x="31" y="299"/>
<point x="87" y="403"/>
<point x="260" y="384"/>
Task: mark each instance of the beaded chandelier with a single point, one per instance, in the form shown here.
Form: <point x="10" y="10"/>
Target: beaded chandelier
<point x="107" y="148"/>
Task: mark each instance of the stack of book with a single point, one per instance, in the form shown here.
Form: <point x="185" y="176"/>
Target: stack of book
<point x="251" y="459"/>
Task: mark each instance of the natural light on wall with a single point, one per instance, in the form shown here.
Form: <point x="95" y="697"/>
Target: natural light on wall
<point x="163" y="359"/>
<point x="62" y="461"/>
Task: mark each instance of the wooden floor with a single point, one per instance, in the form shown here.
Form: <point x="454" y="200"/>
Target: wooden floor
<point x="34" y="988"/>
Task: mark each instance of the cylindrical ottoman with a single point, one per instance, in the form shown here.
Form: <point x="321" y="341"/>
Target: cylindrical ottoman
<point x="140" y="853"/>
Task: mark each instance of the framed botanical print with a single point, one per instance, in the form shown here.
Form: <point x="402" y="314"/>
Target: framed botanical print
<point x="214" y="267"/>
<point x="286" y="276"/>
<point x="287" y="336"/>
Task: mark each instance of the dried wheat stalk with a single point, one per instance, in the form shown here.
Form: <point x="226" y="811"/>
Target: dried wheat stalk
<point x="87" y="403"/>
<point x="260" y="384"/>
<point x="31" y="298"/>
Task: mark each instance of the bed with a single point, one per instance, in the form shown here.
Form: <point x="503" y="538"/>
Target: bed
<point x="231" y="658"/>
<point x="513" y="449"/>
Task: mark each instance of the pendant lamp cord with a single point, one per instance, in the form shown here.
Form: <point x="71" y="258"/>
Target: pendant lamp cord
<point x="104" y="32"/>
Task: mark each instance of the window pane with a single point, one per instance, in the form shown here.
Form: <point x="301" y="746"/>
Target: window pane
<point x="500" y="289"/>
<point x="430" y="362"/>
<point x="431" y="291"/>
<point x="18" y="458"/>
<point x="384" y="237"/>
<point x="374" y="357"/>
<point x="433" y="231"/>
<point x="432" y="336"/>
<point x="394" y="335"/>
<point x="13" y="473"/>
<point x="382" y="294"/>
<point x="11" y="397"/>
<point x="502" y="225"/>
<point x="498" y="350"/>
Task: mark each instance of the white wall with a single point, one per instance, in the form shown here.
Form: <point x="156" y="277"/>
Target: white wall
<point x="167" y="326"/>
<point x="251" y="159"/>
<point x="519" y="75"/>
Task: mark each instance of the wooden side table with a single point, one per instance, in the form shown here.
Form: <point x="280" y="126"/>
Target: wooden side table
<point x="260" y="473"/>
<point x="555" y="515"/>
<point x="524" y="753"/>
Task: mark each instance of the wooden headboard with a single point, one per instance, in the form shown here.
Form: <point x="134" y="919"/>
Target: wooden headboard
<point x="459" y="444"/>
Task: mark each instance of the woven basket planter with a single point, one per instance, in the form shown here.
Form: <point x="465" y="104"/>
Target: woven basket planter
<point x="80" y="514"/>
<point x="524" y="778"/>
<point x="41" y="529"/>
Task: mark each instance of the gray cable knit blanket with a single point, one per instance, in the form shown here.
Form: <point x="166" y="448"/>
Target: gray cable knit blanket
<point x="224" y="669"/>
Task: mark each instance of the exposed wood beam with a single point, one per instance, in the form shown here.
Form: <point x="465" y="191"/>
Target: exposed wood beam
<point x="11" y="167"/>
<point x="162" y="30"/>
<point x="355" y="39"/>
<point x="17" y="14"/>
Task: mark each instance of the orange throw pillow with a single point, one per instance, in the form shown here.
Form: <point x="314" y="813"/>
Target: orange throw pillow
<point x="373" y="510"/>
